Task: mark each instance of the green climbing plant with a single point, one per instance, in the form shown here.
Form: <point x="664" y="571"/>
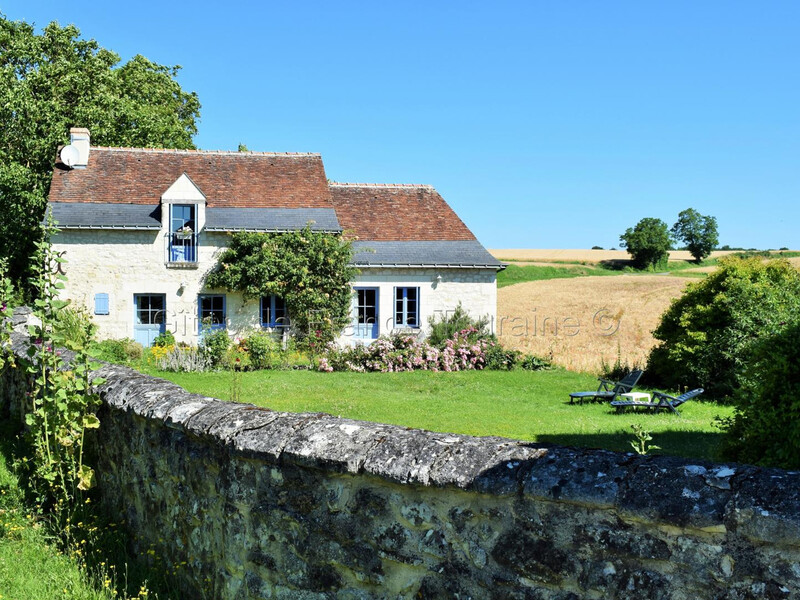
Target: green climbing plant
<point x="310" y="270"/>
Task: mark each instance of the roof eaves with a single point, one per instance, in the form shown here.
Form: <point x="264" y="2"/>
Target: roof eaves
<point x="428" y="265"/>
<point x="118" y="227"/>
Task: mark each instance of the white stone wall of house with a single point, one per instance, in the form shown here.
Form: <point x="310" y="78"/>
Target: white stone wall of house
<point x="440" y="291"/>
<point x="130" y="264"/>
<point x="126" y="264"/>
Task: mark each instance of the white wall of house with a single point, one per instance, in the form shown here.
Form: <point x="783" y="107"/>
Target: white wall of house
<point x="440" y="291"/>
<point x="123" y="264"/>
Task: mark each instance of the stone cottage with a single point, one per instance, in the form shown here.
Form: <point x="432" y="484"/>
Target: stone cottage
<point x="141" y="228"/>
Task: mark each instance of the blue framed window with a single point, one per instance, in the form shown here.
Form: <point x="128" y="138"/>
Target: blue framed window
<point x="406" y="307"/>
<point x="273" y="312"/>
<point x="211" y="311"/>
<point x="101" y="304"/>
<point x="183" y="233"/>
<point x="365" y="323"/>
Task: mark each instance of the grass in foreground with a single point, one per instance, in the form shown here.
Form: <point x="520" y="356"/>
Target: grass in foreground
<point x="31" y="567"/>
<point x="523" y="405"/>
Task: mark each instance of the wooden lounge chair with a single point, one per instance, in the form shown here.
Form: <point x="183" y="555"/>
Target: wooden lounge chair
<point x="660" y="401"/>
<point x="608" y="390"/>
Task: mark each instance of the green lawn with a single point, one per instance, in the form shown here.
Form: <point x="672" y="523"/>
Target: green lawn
<point x="518" y="404"/>
<point x="520" y="273"/>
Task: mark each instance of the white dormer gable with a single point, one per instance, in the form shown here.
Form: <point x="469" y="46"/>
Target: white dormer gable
<point x="183" y="191"/>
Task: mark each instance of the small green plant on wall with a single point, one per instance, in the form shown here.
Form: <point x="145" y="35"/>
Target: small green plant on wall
<point x="640" y="440"/>
<point x="310" y="270"/>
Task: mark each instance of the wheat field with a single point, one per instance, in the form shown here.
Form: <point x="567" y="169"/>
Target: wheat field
<point x="589" y="256"/>
<point x="579" y="322"/>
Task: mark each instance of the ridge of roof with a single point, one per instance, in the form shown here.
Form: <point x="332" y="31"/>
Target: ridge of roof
<point x="423" y="186"/>
<point x="205" y="152"/>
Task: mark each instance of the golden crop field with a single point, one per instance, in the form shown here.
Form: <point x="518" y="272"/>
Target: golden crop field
<point x="544" y="255"/>
<point x="577" y="322"/>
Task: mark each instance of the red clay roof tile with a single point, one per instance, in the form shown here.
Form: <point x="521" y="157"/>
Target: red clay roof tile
<point x="227" y="179"/>
<point x="393" y="212"/>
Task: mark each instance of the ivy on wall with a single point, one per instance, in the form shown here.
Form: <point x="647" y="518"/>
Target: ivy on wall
<point x="310" y="270"/>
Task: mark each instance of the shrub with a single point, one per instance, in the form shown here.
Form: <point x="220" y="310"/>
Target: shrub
<point x="445" y="326"/>
<point x="618" y="369"/>
<point x="402" y="352"/>
<point x="535" y="363"/>
<point x="765" y="429"/>
<point x="71" y="323"/>
<point x="215" y="345"/>
<point x="706" y="333"/>
<point x="123" y="351"/>
<point x="264" y="349"/>
<point x="164" y="339"/>
<point x="236" y="358"/>
<point x="180" y="359"/>
<point x="501" y="359"/>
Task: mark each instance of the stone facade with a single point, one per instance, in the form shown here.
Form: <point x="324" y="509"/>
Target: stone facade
<point x="125" y="263"/>
<point x="243" y="502"/>
<point x="440" y="291"/>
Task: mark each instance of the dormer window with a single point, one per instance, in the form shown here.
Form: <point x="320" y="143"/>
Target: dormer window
<point x="183" y="242"/>
<point x="183" y="210"/>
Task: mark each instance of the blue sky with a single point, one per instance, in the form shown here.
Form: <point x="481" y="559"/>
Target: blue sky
<point x="544" y="124"/>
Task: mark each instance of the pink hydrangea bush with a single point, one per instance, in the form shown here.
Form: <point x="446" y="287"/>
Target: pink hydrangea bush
<point x="400" y="352"/>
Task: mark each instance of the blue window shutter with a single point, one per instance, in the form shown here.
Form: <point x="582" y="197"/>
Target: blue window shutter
<point x="101" y="304"/>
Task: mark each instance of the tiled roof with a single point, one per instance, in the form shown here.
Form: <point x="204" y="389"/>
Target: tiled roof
<point x="386" y="212"/>
<point x="227" y="179"/>
<point x="271" y="219"/>
<point x="460" y="253"/>
<point x="395" y="224"/>
<point x="74" y="215"/>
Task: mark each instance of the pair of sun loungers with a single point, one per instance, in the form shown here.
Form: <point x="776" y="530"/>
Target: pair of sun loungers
<point x="613" y="390"/>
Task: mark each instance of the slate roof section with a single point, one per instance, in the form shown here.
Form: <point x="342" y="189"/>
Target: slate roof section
<point x="439" y="254"/>
<point x="392" y="212"/>
<point x="227" y="179"/>
<point x="73" y="215"/>
<point x="271" y="219"/>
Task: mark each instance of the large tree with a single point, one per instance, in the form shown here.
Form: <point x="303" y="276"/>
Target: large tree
<point x="647" y="242"/>
<point x="698" y="232"/>
<point x="54" y="80"/>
